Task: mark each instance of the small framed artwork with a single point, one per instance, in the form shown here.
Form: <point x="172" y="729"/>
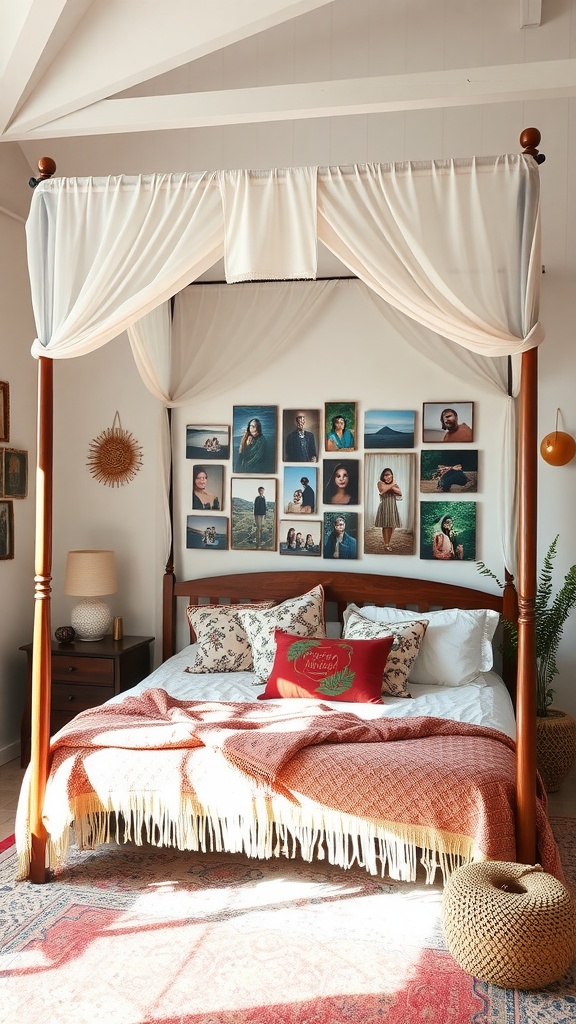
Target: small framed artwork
<point x="254" y="433"/>
<point x="390" y="503"/>
<point x="300" y="433"/>
<point x="340" y="483"/>
<point x="386" y="428"/>
<point x="253" y="513"/>
<point x="4" y="411"/>
<point x="340" y="535"/>
<point x="300" y="490"/>
<point x="207" y="442"/>
<point x="340" y="427"/>
<point x="300" y="537"/>
<point x="207" y="488"/>
<point x="209" y="532"/>
<point x="448" y="470"/>
<point x="15" y="473"/>
<point x="6" y="529"/>
<point x="448" y="530"/>
<point x="448" y="421"/>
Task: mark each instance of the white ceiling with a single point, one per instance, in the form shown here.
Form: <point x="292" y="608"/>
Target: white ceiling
<point x="74" y="71"/>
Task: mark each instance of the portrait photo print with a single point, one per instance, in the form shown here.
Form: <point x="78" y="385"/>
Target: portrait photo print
<point x="300" y="537"/>
<point x="207" y="488"/>
<point x="390" y="503"/>
<point x="254" y="436"/>
<point x="340" y="535"/>
<point x="448" y="422"/>
<point x="340" y="427"/>
<point x="448" y="530"/>
<point x="340" y="481"/>
<point x="300" y="490"/>
<point x="207" y="442"/>
<point x="207" y="532"/>
<point x="253" y="513"/>
<point x="300" y="435"/>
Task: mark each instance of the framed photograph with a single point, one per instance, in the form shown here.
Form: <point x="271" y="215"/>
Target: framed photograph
<point x="209" y="532"/>
<point x="15" y="473"/>
<point x="390" y="504"/>
<point x="300" y="491"/>
<point x="448" y="470"/>
<point x="253" y="513"/>
<point x="6" y="529"/>
<point x="300" y="435"/>
<point x="254" y="434"/>
<point x="340" y="535"/>
<point x="386" y="428"/>
<point x="340" y="481"/>
<point x="207" y="488"/>
<point x="448" y="530"/>
<point x="300" y="537"/>
<point x="4" y="411"/>
<point x="207" y="442"/>
<point x="340" y="427"/>
<point x="448" y="421"/>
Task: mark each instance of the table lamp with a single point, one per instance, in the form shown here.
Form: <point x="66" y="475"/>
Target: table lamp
<point x="90" y="575"/>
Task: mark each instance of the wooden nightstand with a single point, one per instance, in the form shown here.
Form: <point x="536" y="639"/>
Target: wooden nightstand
<point x="85" y="674"/>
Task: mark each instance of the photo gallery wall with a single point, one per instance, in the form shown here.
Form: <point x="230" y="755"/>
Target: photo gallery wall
<point x="329" y="483"/>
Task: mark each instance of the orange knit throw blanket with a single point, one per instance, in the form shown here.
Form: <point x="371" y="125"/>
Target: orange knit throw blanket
<point x="242" y="770"/>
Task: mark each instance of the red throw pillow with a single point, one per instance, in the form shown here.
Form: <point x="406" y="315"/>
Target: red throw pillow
<point x="349" y="670"/>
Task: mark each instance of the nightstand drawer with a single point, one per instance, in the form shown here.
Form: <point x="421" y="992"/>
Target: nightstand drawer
<point x="78" y="697"/>
<point x="69" y="668"/>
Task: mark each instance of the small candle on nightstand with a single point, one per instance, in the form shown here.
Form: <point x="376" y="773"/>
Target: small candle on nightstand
<point x="118" y="629"/>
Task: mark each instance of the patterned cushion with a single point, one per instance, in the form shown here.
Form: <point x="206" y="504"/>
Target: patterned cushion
<point x="300" y="616"/>
<point x="222" y="642"/>
<point x="408" y="637"/>
<point x="347" y="670"/>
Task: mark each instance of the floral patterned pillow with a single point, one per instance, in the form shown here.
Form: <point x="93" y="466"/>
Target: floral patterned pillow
<point x="408" y="637"/>
<point x="299" y="616"/>
<point x="222" y="642"/>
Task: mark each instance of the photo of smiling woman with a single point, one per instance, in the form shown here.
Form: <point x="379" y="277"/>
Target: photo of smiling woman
<point x="390" y="503"/>
<point x="207" y="488"/>
<point x="340" y="482"/>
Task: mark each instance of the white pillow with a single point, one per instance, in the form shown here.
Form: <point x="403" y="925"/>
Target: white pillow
<point x="300" y="616"/>
<point x="456" y="648"/>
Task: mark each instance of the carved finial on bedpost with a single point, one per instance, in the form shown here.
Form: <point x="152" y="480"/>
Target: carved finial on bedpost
<point x="46" y="168"/>
<point x="530" y="140"/>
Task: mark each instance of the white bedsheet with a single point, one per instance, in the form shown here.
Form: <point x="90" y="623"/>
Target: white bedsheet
<point x="486" y="701"/>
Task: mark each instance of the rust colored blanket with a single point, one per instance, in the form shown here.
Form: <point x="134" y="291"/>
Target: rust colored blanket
<point x="272" y="778"/>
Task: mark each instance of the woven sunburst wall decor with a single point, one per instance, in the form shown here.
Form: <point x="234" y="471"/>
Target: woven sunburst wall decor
<point x="114" y="457"/>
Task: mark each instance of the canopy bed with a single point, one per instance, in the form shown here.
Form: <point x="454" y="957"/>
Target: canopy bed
<point x="137" y="241"/>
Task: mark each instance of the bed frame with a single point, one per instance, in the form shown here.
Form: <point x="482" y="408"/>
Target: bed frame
<point x="279" y="585"/>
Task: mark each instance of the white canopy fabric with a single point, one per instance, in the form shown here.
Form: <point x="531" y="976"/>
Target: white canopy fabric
<point x="452" y="245"/>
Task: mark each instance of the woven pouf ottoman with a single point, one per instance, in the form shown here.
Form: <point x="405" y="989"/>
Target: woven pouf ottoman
<point x="509" y="924"/>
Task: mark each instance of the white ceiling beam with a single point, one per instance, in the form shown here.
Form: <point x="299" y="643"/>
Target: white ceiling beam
<point x="427" y="90"/>
<point x="530" y="13"/>
<point x="133" y="48"/>
<point x="31" y="35"/>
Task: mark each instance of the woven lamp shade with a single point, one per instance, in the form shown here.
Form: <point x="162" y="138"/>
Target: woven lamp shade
<point x="90" y="573"/>
<point x="509" y="924"/>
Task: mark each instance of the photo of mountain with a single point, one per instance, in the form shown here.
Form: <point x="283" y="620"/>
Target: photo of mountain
<point x="386" y="428"/>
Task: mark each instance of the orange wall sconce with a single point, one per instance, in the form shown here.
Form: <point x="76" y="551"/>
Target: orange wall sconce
<point x="558" y="448"/>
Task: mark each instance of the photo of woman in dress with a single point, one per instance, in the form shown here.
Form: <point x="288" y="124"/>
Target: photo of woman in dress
<point x="254" y="430"/>
<point x="339" y="541"/>
<point x="387" y="517"/>
<point x="340" y="482"/>
<point x="204" y="499"/>
<point x="390" y="503"/>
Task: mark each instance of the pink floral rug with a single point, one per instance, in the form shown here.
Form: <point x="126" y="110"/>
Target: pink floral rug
<point x="130" y="935"/>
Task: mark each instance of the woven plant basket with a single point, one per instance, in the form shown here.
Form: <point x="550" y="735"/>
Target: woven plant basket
<point x="512" y="925"/>
<point x="555" y="747"/>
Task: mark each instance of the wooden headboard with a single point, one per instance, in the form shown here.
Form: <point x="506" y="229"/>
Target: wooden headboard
<point x="340" y="589"/>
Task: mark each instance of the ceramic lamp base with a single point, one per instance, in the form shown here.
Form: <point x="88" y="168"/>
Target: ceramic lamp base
<point x="91" y="619"/>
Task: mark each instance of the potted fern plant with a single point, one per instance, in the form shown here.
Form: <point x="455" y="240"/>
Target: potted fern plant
<point x="555" y="729"/>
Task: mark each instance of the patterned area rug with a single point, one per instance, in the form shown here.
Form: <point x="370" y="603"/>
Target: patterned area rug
<point x="131" y="935"/>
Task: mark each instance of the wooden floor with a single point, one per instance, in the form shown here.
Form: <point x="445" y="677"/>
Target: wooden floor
<point x="563" y="802"/>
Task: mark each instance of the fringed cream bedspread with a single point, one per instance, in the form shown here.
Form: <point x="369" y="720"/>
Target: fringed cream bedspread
<point x="271" y="779"/>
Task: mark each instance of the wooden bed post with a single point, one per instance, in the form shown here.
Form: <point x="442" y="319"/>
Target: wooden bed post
<point x="168" y="598"/>
<point x="527" y="550"/>
<point x="41" y="651"/>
